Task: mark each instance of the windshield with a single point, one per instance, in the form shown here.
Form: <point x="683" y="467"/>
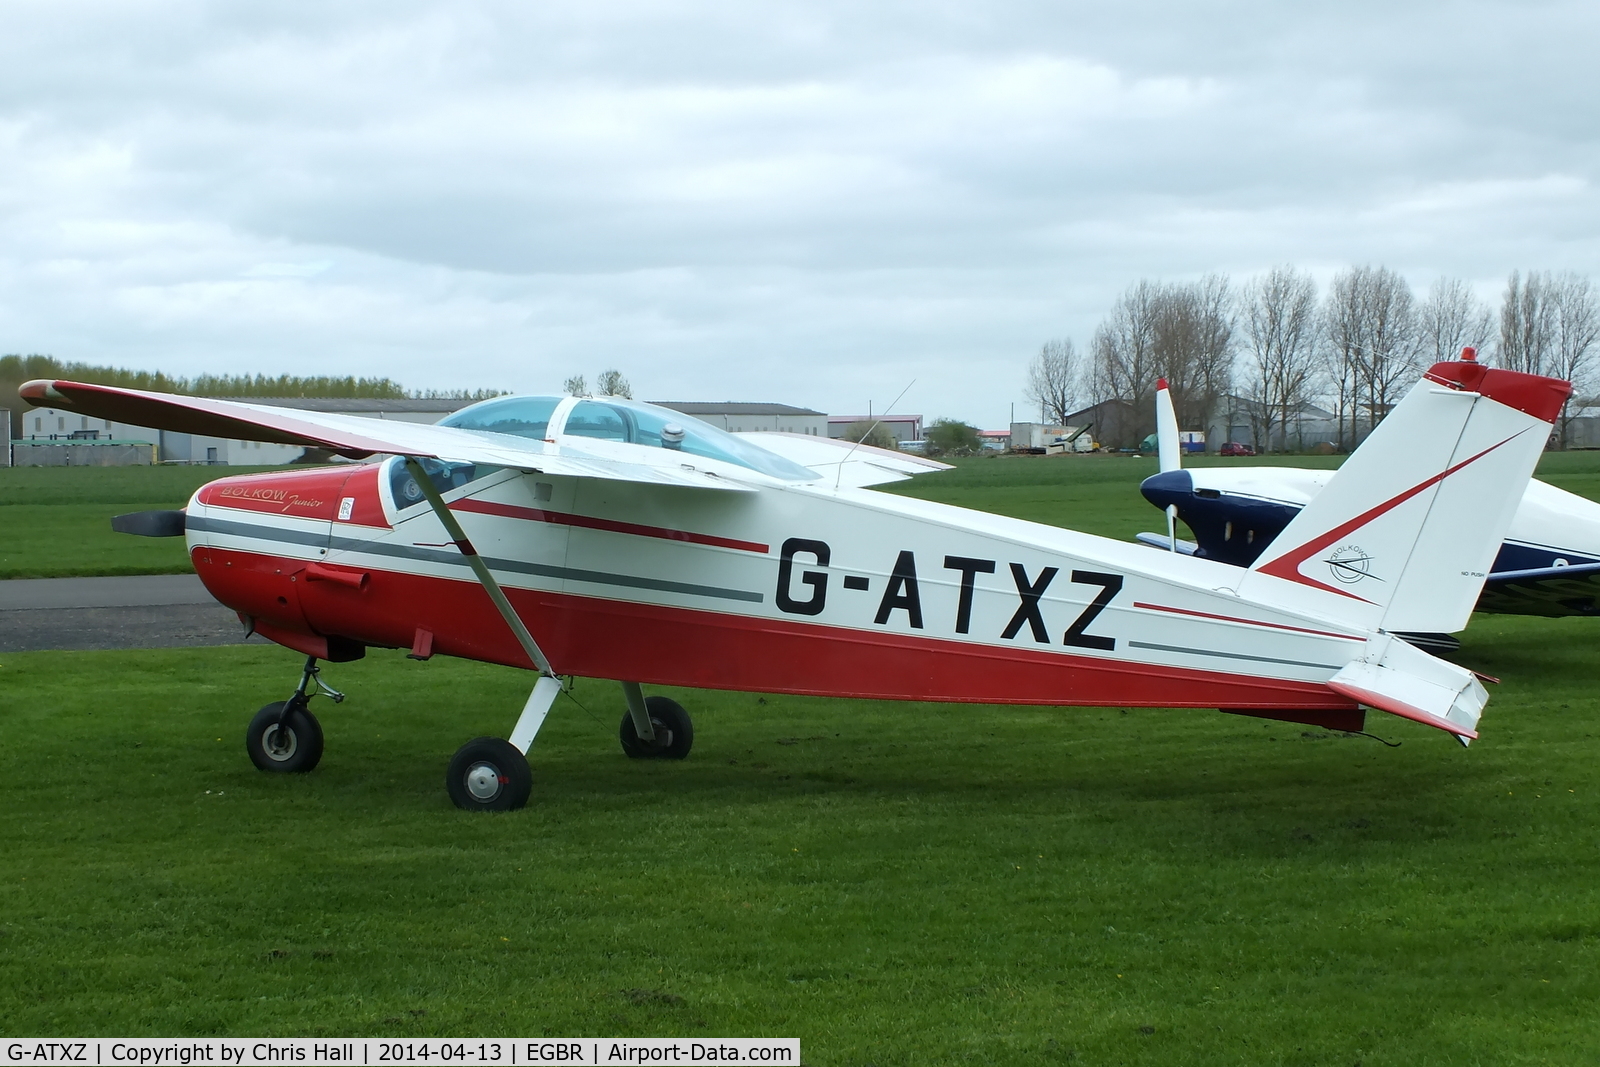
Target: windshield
<point x="645" y="424"/>
<point x="444" y="476"/>
<point x="626" y="421"/>
<point x="520" y="416"/>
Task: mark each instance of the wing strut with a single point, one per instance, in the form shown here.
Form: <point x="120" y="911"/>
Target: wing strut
<point x="480" y="568"/>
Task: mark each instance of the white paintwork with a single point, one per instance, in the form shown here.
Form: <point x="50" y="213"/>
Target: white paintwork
<point x="1167" y="611"/>
<point x="545" y="691"/>
<point x="841" y="462"/>
<point x="1408" y="560"/>
<point x="1166" y="430"/>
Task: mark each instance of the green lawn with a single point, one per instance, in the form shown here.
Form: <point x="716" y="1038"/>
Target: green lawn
<point x="892" y="883"/>
<point x="56" y="521"/>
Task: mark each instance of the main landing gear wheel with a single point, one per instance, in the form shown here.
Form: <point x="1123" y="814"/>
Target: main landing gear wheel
<point x="674" y="732"/>
<point x="292" y="746"/>
<point x="489" y="774"/>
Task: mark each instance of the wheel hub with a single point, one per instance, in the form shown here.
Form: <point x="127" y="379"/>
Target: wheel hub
<point x="279" y="743"/>
<point x="484" y="781"/>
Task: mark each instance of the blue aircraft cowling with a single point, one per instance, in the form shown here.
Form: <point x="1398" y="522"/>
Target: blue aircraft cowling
<point x="1228" y="527"/>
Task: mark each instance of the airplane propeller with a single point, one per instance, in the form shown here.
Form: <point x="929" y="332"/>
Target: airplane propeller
<point x="1167" y="451"/>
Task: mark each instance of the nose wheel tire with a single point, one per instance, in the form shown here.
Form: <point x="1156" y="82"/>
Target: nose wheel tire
<point x="292" y="746"/>
<point x="674" y="732"/>
<point x="489" y="774"/>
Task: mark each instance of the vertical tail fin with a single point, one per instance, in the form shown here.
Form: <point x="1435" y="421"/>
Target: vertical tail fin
<point x="1404" y="534"/>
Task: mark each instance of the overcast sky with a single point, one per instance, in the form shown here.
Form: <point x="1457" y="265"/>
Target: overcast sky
<point x="808" y="203"/>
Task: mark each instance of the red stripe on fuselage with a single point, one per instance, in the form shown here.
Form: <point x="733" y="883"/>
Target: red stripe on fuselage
<point x="1247" y="622"/>
<point x="512" y="511"/>
<point x="600" y="638"/>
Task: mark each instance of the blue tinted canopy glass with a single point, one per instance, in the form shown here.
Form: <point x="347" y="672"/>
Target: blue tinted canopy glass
<point x="626" y="421"/>
<point x="520" y="416"/>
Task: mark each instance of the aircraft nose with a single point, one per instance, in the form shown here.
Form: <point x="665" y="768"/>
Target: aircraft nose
<point x="1168" y="487"/>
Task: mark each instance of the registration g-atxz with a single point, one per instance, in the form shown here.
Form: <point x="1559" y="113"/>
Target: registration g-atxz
<point x="598" y="537"/>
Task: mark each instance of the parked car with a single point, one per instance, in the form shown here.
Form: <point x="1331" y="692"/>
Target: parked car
<point x="1234" y="448"/>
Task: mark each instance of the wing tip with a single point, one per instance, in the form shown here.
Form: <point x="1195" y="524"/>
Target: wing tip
<point x="39" y="389"/>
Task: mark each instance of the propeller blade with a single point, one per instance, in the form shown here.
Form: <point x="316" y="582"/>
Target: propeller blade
<point x="1166" y="429"/>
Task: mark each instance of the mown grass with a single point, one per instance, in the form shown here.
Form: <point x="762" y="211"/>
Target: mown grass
<point x="56" y="521"/>
<point x="892" y="883"/>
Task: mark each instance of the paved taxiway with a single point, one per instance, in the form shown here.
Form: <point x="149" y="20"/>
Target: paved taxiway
<point x="143" y="611"/>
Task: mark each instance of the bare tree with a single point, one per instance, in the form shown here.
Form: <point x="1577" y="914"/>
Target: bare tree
<point x="1194" y="346"/>
<point x="1525" y="324"/>
<point x="612" y="383"/>
<point x="1370" y="327"/>
<point x="1124" y="362"/>
<point x="1549" y="324"/>
<point x="1053" y="381"/>
<point x="1577" y="328"/>
<point x="575" y="385"/>
<point x="1280" y="320"/>
<point x="1452" y="318"/>
<point x="1183" y="333"/>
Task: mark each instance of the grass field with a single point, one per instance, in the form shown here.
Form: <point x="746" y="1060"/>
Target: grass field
<point x="892" y="883"/>
<point x="56" y="521"/>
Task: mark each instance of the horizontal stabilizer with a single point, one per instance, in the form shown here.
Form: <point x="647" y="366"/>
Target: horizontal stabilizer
<point x="357" y="438"/>
<point x="149" y="523"/>
<point x="1398" y="678"/>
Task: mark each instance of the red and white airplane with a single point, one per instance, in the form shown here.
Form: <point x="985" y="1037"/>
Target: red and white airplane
<point x="604" y="538"/>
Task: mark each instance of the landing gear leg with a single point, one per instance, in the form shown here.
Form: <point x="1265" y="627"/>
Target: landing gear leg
<point x="284" y="737"/>
<point x="489" y="774"/>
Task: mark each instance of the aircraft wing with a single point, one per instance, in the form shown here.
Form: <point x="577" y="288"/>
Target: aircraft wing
<point x="845" y="462"/>
<point x="353" y="436"/>
<point x="1552" y="591"/>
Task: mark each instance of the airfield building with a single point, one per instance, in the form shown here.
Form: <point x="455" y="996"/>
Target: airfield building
<point x="906" y="428"/>
<point x="745" y="418"/>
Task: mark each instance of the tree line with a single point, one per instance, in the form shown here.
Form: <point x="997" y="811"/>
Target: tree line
<point x="16" y="369"/>
<point x="1270" y="347"/>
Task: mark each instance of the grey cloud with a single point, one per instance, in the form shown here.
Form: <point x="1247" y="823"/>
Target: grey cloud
<point x="805" y="202"/>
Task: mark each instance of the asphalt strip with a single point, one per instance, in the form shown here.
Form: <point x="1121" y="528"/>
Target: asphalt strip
<point x="142" y="611"/>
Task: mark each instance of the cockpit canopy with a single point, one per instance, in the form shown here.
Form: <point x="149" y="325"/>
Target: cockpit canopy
<point x="625" y="421"/>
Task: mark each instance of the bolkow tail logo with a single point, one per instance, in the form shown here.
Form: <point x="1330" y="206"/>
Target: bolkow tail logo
<point x="1350" y="564"/>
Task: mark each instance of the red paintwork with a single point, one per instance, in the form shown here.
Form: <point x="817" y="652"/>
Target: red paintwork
<point x="1531" y="394"/>
<point x="512" y="511"/>
<point x="345" y="576"/>
<point x="198" y="415"/>
<point x="294" y="641"/>
<point x="1351" y="720"/>
<point x="1398" y="707"/>
<point x="1247" y="622"/>
<point x="594" y="637"/>
<point x="312" y="493"/>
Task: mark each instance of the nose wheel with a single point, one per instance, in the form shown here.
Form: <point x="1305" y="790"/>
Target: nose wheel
<point x="283" y="739"/>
